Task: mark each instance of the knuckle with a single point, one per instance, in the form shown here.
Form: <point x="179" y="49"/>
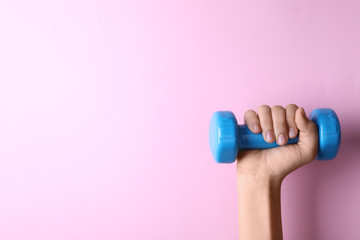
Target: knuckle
<point x="277" y="108"/>
<point x="263" y="108"/>
<point x="291" y="106"/>
<point x="249" y="112"/>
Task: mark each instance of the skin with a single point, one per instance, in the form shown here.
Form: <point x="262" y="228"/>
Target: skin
<point x="260" y="172"/>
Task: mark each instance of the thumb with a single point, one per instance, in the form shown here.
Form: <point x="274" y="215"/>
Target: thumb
<point x="308" y="135"/>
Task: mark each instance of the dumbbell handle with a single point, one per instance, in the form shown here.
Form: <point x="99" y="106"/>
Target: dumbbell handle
<point x="250" y="140"/>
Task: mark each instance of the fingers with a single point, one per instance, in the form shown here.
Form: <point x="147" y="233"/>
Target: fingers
<point x="275" y="123"/>
<point x="252" y="121"/>
<point x="290" y="119"/>
<point x="280" y="124"/>
<point x="266" y="122"/>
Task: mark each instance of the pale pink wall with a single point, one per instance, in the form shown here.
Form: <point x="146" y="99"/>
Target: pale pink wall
<point x="105" y="108"/>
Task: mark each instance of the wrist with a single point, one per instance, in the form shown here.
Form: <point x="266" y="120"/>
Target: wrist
<point x="260" y="181"/>
<point x="259" y="207"/>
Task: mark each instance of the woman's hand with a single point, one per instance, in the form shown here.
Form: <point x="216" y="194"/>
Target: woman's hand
<point x="278" y="124"/>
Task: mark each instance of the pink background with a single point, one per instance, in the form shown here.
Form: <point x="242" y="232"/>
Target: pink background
<point x="105" y="108"/>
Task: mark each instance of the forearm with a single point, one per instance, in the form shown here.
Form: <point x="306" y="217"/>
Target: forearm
<point x="259" y="208"/>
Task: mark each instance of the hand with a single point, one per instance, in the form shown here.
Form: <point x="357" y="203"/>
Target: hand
<point x="278" y="124"/>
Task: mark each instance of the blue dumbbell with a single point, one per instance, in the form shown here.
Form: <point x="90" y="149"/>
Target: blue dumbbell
<point x="226" y="137"/>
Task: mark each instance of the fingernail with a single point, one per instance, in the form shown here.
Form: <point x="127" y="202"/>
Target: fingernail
<point x="292" y="132"/>
<point x="256" y="127"/>
<point x="269" y="136"/>
<point x="282" y="139"/>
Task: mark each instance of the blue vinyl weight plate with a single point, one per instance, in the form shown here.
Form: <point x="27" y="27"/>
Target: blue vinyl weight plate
<point x="329" y="132"/>
<point x="223" y="137"/>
